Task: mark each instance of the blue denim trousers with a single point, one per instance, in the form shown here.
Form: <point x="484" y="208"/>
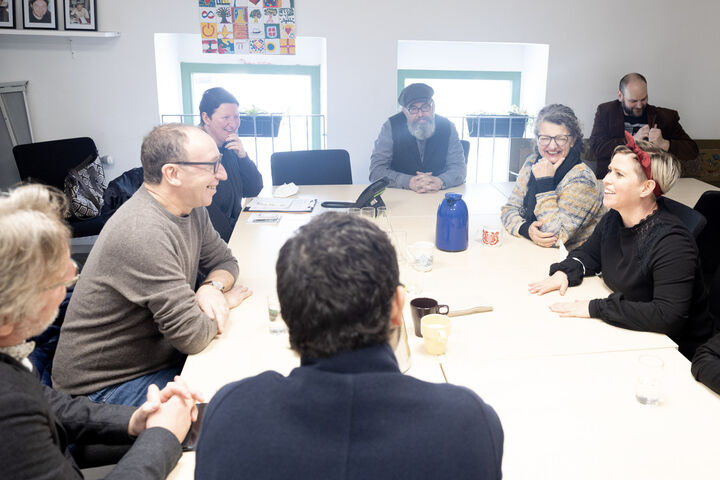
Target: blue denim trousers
<point x="134" y="392"/>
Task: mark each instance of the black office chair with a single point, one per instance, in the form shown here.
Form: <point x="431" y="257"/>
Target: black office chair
<point x="708" y="241"/>
<point x="311" y="167"/>
<point x="693" y="220"/>
<point x="466" y="149"/>
<point x="50" y="162"/>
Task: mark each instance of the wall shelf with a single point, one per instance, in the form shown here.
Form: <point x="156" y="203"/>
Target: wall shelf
<point x="60" y="33"/>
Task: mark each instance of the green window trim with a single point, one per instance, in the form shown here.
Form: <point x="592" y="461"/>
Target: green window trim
<point x="513" y="77"/>
<point x="313" y="71"/>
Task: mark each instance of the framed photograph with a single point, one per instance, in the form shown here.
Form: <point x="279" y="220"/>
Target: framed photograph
<point x="7" y="13"/>
<point x="80" y="14"/>
<point x="39" y="14"/>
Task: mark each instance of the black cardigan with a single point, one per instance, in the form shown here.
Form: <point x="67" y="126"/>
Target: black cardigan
<point x="654" y="273"/>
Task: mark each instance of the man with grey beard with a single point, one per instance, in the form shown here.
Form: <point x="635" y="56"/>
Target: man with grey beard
<point x="417" y="149"/>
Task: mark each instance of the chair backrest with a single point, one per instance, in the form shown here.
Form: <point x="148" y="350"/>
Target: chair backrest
<point x="693" y="220"/>
<point x="708" y="241"/>
<point x="311" y="167"/>
<point x="49" y="162"/>
<point x="466" y="149"/>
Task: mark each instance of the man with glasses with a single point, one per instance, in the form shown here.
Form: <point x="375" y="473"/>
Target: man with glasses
<point x="135" y="314"/>
<point x="632" y="113"/>
<point x="417" y="149"/>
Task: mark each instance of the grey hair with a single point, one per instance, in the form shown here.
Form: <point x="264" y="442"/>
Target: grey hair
<point x="34" y="242"/>
<point x="561" y="115"/>
<point x="164" y="144"/>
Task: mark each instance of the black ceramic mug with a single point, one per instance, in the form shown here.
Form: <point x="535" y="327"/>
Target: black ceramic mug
<point x="422" y="306"/>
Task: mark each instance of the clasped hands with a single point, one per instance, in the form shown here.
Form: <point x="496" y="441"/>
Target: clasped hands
<point x="425" y="182"/>
<point x="172" y="408"/>
<point x="559" y="281"/>
<point x="653" y="135"/>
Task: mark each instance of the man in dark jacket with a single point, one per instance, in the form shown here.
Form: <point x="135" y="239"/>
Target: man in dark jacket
<point x="347" y="411"/>
<point x="37" y="423"/>
<point x="631" y="113"/>
<point x="417" y="149"/>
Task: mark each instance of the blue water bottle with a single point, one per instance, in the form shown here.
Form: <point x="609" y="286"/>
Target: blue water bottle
<point x="451" y="229"/>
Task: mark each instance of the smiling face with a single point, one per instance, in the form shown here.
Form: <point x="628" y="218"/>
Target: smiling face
<point x="223" y="122"/>
<point x="623" y="183"/>
<point x="198" y="182"/>
<point x="634" y="98"/>
<point x="552" y="151"/>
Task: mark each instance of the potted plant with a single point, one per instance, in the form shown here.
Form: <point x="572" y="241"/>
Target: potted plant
<point x="510" y="124"/>
<point x="259" y="123"/>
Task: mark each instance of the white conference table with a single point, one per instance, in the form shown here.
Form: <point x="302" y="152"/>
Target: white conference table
<point x="498" y="354"/>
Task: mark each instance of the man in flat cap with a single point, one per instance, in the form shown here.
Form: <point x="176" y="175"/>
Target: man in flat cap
<point x="417" y="149"/>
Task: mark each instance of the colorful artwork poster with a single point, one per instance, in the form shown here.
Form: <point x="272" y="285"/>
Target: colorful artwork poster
<point x="240" y="15"/>
<point x="287" y="46"/>
<point x="209" y="45"/>
<point x="248" y="26"/>
<point x="225" y="32"/>
<point x="270" y="15"/>
<point x="226" y="46"/>
<point x="272" y="30"/>
<point x="208" y="30"/>
<point x="207" y="15"/>
<point x="257" y="46"/>
<point x="240" y="32"/>
<point x="287" y="30"/>
<point x="242" y="46"/>
<point x="287" y="15"/>
<point x="272" y="47"/>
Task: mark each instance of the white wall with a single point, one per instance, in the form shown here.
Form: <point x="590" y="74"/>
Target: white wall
<point x="108" y="91"/>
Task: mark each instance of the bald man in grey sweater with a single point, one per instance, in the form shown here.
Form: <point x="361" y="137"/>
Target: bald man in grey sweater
<point x="135" y="314"/>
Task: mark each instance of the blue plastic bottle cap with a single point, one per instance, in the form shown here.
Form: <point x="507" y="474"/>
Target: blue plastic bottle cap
<point x="453" y="196"/>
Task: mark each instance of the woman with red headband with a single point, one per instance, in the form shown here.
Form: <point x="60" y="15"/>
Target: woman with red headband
<point x="645" y="254"/>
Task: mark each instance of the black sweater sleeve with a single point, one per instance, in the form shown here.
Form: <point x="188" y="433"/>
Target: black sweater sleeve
<point x="585" y="260"/>
<point x="251" y="178"/>
<point x="706" y="364"/>
<point x="672" y="262"/>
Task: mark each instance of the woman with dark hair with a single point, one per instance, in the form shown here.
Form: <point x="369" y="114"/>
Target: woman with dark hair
<point x="220" y="118"/>
<point x="645" y="254"/>
<point x="556" y="196"/>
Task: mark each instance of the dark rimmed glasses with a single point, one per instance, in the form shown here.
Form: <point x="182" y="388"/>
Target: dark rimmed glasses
<point x="425" y="107"/>
<point x="215" y="164"/>
<point x="560" y="140"/>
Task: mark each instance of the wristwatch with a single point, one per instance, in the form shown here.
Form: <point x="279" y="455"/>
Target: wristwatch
<point x="219" y="285"/>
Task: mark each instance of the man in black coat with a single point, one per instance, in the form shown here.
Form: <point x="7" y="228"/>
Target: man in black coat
<point x="347" y="411"/>
<point x="632" y="113"/>
<point x="37" y="423"/>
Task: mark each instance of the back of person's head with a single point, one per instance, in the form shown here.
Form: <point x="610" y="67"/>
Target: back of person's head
<point x="212" y="99"/>
<point x="34" y="244"/>
<point x="561" y="115"/>
<point x="664" y="167"/>
<point x="630" y="77"/>
<point x="164" y="144"/>
<point x="335" y="281"/>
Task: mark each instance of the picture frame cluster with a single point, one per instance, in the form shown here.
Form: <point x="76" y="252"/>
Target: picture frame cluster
<point x="43" y="14"/>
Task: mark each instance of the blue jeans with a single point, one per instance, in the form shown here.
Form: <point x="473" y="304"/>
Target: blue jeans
<point x="134" y="392"/>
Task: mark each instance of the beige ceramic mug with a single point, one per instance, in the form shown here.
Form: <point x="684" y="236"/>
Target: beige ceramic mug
<point x="435" y="331"/>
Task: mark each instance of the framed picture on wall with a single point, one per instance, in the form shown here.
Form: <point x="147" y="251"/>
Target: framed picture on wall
<point x="39" y="14"/>
<point x="80" y="14"/>
<point x="7" y="13"/>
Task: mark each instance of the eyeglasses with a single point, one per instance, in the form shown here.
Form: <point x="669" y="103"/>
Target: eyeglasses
<point x="425" y="107"/>
<point x="560" y="140"/>
<point x="68" y="283"/>
<point x="215" y="164"/>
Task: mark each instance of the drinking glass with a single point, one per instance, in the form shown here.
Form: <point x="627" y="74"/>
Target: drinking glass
<point x="354" y="211"/>
<point x="368" y="212"/>
<point x="648" y="389"/>
<point x="382" y="220"/>
<point x="276" y="325"/>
